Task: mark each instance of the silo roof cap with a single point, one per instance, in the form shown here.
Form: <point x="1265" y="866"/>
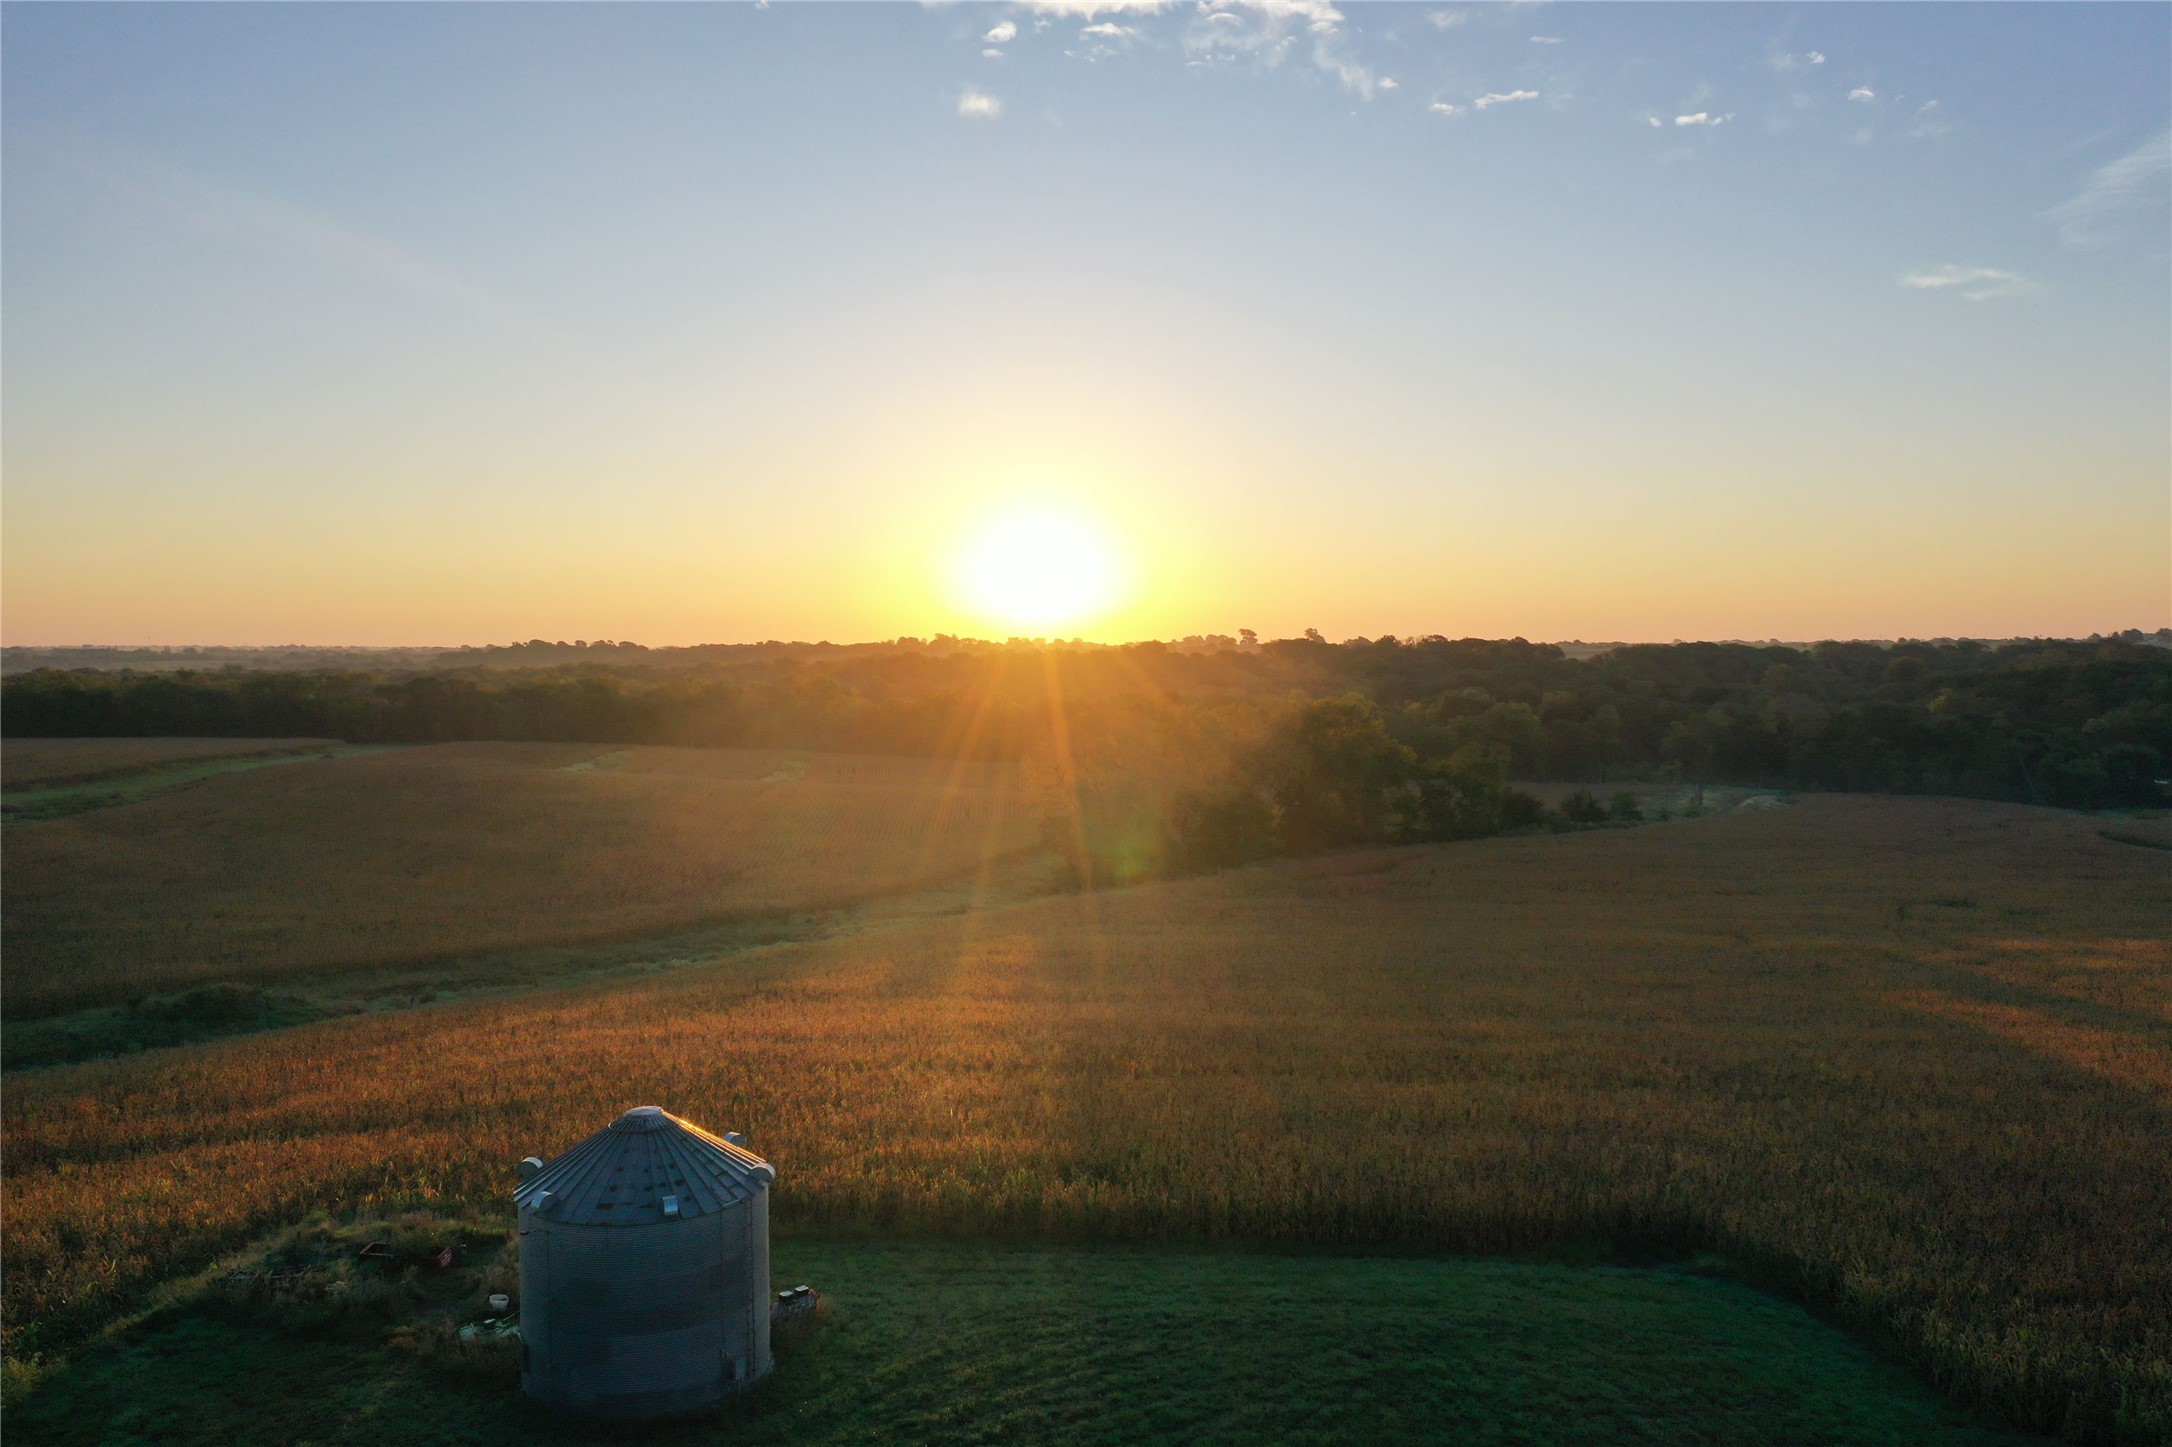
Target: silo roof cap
<point x="646" y="1167"/>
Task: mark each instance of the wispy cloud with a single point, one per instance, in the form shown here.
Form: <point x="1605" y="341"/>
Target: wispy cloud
<point x="1110" y="30"/>
<point x="276" y="228"/>
<point x="1318" y="16"/>
<point x="1862" y="93"/>
<point x="1929" y="124"/>
<point x="1780" y="59"/>
<point x="1493" y="13"/>
<point x="1091" y="9"/>
<point x="1443" y="108"/>
<point x="1269" y="30"/>
<point x="1503" y="97"/>
<point x="1703" y="118"/>
<point x="1976" y="283"/>
<point x="2116" y="196"/>
<point x="1545" y="40"/>
<point x="979" y="105"/>
<point x="1002" y="34"/>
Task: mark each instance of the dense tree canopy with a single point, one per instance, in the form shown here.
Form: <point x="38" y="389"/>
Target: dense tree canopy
<point x="2076" y="724"/>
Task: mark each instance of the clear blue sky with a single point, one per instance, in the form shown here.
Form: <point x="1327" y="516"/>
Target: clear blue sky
<point x="436" y="323"/>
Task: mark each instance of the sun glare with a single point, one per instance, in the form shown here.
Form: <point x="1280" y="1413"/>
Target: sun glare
<point x="1038" y="568"/>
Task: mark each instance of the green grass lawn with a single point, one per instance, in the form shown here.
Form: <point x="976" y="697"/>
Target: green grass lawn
<point x="958" y="1344"/>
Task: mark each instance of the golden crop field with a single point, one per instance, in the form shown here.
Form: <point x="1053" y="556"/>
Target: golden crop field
<point x="1908" y="1059"/>
<point x="419" y="854"/>
<point x="31" y="763"/>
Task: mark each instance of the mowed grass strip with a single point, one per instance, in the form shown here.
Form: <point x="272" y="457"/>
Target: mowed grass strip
<point x="45" y="763"/>
<point x="1879" y="1051"/>
<point x="58" y="801"/>
<point x="390" y="859"/>
<point x="951" y="1344"/>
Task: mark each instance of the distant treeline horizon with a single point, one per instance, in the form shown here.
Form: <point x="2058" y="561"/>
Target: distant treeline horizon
<point x="23" y="658"/>
<point x="2081" y="724"/>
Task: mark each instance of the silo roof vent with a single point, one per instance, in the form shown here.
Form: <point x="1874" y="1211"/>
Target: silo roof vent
<point x="646" y="1167"/>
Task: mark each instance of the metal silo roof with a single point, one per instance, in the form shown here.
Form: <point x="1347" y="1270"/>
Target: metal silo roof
<point x="646" y="1167"/>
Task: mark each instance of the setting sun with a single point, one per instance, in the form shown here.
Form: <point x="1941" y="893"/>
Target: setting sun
<point x="1038" y="567"/>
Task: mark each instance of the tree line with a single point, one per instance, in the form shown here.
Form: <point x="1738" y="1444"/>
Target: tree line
<point x="1300" y="743"/>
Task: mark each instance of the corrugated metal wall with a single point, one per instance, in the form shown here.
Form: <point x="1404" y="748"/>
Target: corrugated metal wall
<point x="758" y="1286"/>
<point x="646" y="1320"/>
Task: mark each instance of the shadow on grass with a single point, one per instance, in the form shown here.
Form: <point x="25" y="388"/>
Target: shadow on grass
<point x="958" y="1343"/>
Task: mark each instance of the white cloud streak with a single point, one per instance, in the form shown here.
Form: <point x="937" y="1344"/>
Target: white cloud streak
<point x="1545" y="40"/>
<point x="1976" y="283"/>
<point x="1929" y="124"/>
<point x="1703" y="118"/>
<point x="1502" y="98"/>
<point x="1094" y="9"/>
<point x="1268" y="30"/>
<point x="979" y="106"/>
<point x="2116" y="196"/>
<point x="275" y="228"/>
<point x="1862" y="93"/>
<point x="1002" y="34"/>
<point x="1443" y="108"/>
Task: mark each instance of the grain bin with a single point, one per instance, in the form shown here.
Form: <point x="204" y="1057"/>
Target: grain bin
<point x="644" y="1269"/>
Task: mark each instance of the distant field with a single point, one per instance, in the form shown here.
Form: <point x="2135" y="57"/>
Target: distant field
<point x="1909" y="1060"/>
<point x="958" y="1344"/>
<point x="1665" y="800"/>
<point x="277" y="874"/>
<point x="43" y="763"/>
